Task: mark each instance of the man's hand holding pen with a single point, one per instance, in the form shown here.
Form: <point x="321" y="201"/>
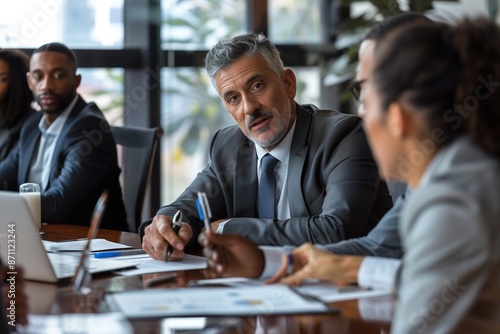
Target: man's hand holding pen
<point x="165" y="238"/>
<point x="176" y="226"/>
<point x="160" y="234"/>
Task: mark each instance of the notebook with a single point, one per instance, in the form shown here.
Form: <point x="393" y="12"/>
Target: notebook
<point x="21" y="245"/>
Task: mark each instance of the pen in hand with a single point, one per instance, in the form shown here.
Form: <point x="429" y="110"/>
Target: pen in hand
<point x="204" y="211"/>
<point x="289" y="260"/>
<point x="176" y="226"/>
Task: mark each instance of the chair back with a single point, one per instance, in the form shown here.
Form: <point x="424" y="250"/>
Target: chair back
<point x="136" y="152"/>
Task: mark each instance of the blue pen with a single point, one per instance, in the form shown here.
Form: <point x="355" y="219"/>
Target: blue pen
<point x="102" y="255"/>
<point x="204" y="211"/>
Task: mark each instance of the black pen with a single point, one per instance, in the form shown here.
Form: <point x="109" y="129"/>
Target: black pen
<point x="176" y="226"/>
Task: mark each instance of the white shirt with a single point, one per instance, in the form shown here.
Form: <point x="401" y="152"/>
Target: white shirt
<point x="40" y="168"/>
<point x="282" y="153"/>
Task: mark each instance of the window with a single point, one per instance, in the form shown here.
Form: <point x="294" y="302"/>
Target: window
<point x="79" y="24"/>
<point x="191" y="108"/>
<point x="294" y="21"/>
<point x="105" y="88"/>
<point x="198" y="24"/>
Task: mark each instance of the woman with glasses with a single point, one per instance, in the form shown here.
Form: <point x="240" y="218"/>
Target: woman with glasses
<point x="431" y="114"/>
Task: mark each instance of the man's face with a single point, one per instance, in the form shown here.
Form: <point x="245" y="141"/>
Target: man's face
<point x="261" y="103"/>
<point x="53" y="81"/>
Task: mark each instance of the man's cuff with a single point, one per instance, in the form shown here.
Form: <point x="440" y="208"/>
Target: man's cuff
<point x="272" y="260"/>
<point x="220" y="228"/>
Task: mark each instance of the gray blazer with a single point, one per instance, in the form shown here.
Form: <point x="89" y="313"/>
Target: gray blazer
<point x="335" y="191"/>
<point x="450" y="229"/>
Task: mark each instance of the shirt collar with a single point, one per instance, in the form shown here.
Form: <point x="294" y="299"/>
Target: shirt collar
<point x="282" y="151"/>
<point x="56" y="127"/>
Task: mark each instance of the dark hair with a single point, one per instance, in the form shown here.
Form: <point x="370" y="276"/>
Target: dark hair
<point x="61" y="48"/>
<point x="380" y="29"/>
<point x="449" y="73"/>
<point x="19" y="96"/>
<point x="226" y="52"/>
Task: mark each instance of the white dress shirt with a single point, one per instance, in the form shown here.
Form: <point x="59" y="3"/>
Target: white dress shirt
<point x="41" y="165"/>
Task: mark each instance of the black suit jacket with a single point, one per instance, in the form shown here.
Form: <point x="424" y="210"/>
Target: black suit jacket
<point x="84" y="163"/>
<point x="334" y="188"/>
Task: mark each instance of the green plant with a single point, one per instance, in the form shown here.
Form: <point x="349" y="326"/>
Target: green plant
<point x="204" y="113"/>
<point x="352" y="30"/>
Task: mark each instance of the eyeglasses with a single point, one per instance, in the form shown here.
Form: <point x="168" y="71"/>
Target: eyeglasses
<point x="355" y="88"/>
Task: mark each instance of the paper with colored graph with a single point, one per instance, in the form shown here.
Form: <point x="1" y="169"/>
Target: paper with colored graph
<point x="213" y="301"/>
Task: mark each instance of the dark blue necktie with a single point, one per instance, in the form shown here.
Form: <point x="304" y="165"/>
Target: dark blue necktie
<point x="267" y="187"/>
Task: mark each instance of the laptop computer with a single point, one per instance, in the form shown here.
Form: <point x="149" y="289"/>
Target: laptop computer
<point x="21" y="245"/>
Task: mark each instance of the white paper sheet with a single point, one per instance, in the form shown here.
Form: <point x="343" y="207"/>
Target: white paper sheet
<point x="212" y="301"/>
<point x="378" y="272"/>
<point x="330" y="294"/>
<point x="324" y="291"/>
<point x="109" y="323"/>
<point x="147" y="265"/>
<point x="96" y="245"/>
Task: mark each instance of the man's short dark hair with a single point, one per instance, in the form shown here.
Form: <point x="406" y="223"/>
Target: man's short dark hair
<point x="58" y="47"/>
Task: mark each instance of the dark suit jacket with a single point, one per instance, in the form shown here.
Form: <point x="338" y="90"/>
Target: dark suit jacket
<point x="84" y="163"/>
<point x="382" y="241"/>
<point x="334" y="189"/>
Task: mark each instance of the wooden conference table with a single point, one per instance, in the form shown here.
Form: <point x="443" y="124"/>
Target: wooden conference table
<point x="53" y="299"/>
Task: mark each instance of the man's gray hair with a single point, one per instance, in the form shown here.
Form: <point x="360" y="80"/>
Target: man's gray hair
<point x="227" y="51"/>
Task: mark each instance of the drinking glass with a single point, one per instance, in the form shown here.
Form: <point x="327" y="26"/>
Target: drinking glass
<point x="31" y="194"/>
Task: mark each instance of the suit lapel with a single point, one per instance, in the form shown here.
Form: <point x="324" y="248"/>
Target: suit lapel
<point x="298" y="153"/>
<point x="245" y="181"/>
<point x="33" y="140"/>
<point x="62" y="140"/>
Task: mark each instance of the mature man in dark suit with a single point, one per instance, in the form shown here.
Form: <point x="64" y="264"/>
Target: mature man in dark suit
<point x="328" y="185"/>
<point x="67" y="148"/>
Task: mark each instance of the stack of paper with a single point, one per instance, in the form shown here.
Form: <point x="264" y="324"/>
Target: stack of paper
<point x="325" y="291"/>
<point x="148" y="265"/>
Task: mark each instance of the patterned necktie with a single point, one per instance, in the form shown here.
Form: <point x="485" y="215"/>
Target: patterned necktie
<point x="267" y="187"/>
